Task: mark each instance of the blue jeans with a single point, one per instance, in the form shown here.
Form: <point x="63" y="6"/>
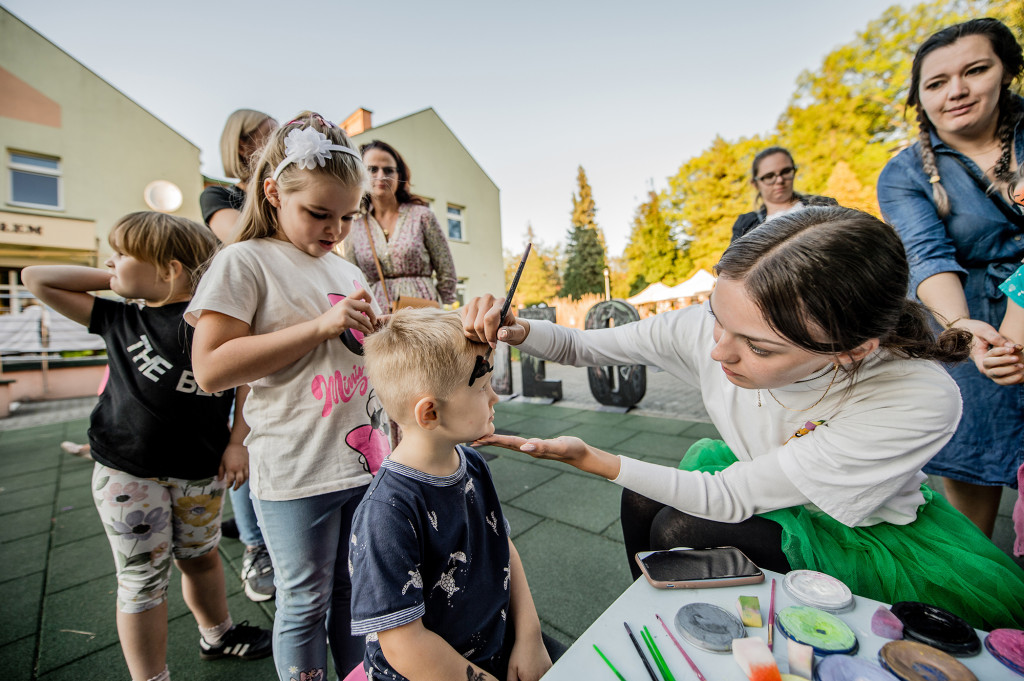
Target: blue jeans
<point x="308" y="542"/>
<point x="245" y="517"/>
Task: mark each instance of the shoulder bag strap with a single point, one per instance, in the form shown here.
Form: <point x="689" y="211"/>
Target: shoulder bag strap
<point x="376" y="261"/>
<point x="1008" y="212"/>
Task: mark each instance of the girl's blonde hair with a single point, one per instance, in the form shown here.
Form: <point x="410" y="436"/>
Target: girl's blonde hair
<point x="259" y="217"/>
<point x="158" y="238"/>
<point x="242" y="124"/>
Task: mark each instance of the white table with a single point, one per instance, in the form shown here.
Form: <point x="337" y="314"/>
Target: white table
<point x="639" y="603"/>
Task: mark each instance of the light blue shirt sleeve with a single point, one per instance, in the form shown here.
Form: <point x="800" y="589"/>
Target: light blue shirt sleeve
<point x="904" y="195"/>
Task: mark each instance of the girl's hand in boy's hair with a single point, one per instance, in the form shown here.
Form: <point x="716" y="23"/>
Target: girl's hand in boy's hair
<point x="1003" y="365"/>
<point x="481" y="323"/>
<point x="354" y="312"/>
<point x="570" y="450"/>
<point x="234" y="466"/>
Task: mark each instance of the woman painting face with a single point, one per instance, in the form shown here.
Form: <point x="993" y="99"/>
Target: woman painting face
<point x="774" y="180"/>
<point x="753" y="355"/>
<point x="960" y="85"/>
<point x="383" y="171"/>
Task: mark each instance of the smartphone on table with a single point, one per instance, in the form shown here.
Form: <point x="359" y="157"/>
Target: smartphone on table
<point x="698" y="568"/>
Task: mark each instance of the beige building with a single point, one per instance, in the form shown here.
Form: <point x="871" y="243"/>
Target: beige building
<point x="464" y="198"/>
<point x="78" y="154"/>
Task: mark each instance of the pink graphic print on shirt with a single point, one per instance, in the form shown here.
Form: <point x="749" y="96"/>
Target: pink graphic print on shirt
<point x="338" y="388"/>
<point x="371" y="441"/>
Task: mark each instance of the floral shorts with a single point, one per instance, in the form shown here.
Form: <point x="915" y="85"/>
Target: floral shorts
<point x="150" y="520"/>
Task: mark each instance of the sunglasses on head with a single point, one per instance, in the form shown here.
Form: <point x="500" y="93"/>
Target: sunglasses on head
<point x="481" y="368"/>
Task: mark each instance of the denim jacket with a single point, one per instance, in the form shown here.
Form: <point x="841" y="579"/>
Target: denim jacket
<point x="975" y="236"/>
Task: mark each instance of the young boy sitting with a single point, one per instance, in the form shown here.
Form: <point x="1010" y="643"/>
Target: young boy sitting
<point x="437" y="586"/>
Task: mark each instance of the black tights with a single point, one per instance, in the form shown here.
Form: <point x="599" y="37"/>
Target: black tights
<point x="649" y="525"/>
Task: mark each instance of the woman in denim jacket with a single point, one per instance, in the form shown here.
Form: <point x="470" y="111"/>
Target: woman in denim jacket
<point x="943" y="196"/>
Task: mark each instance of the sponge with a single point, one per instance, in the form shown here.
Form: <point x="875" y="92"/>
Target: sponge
<point x="886" y="624"/>
<point x="750" y="610"/>
<point x="754" y="658"/>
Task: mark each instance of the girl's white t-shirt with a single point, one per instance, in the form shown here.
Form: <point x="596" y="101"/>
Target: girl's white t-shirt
<point x="855" y="451"/>
<point x="317" y="425"/>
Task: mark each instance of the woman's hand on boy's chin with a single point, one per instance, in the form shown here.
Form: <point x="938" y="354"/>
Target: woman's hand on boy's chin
<point x="482" y="323"/>
<point x="570" y="450"/>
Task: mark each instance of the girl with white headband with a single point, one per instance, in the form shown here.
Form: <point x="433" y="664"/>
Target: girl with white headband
<point x="280" y="311"/>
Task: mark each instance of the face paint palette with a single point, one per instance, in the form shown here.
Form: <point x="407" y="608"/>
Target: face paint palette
<point x="818" y="590"/>
<point x="844" y="668"/>
<point x="709" y="627"/>
<point x="1007" y="646"/>
<point x="937" y="627"/>
<point x="913" y="661"/>
<point x="823" y="631"/>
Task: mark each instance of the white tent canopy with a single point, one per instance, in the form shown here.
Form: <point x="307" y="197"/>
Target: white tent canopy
<point x="652" y="294"/>
<point x="699" y="283"/>
<point x="658" y="292"/>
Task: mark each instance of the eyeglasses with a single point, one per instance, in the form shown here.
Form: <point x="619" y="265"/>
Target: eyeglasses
<point x="785" y="174"/>
<point x="387" y="171"/>
<point x="481" y="368"/>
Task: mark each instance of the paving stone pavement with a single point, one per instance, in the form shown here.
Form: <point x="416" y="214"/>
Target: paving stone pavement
<point x="57" y="583"/>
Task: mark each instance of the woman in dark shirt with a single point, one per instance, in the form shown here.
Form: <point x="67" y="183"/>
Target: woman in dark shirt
<point x="243" y="136"/>
<point x="772" y="175"/>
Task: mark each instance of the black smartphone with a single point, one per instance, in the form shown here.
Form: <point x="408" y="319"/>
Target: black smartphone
<point x="698" y="568"/>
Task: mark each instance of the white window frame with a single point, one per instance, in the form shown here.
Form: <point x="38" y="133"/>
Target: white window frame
<point x="462" y="222"/>
<point x="28" y="169"/>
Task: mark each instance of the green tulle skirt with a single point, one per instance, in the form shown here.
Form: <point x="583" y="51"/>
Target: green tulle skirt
<point x="941" y="558"/>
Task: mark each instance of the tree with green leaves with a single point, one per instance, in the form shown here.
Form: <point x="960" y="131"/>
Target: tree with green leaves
<point x="585" y="251"/>
<point x="652" y="253"/>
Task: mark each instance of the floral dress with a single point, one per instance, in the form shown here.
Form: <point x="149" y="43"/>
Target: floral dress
<point x="416" y="254"/>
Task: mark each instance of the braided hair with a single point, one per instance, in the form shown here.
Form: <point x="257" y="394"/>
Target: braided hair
<point x="1006" y="48"/>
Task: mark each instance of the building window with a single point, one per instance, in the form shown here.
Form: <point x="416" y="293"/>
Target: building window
<point x="455" y="223"/>
<point x="35" y="181"/>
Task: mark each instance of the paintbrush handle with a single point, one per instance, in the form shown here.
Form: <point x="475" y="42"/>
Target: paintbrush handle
<point x="515" y="282"/>
<point x="640" y="652"/>
<point x="609" y="663"/>
<point x="690" y="662"/>
<point x="771" y="617"/>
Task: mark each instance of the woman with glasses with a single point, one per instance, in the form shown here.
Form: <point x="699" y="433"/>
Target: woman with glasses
<point x="946" y="197"/>
<point x="400" y="233"/>
<point x="772" y="176"/>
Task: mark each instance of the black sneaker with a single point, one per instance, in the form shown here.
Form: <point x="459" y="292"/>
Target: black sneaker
<point x="243" y="641"/>
<point x="229" y="529"/>
<point x="258" y="574"/>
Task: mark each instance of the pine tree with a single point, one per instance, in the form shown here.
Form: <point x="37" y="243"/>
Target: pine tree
<point x="652" y="254"/>
<point x="585" y="251"/>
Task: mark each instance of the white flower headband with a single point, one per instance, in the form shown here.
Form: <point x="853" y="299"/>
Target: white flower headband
<point x="308" y="148"/>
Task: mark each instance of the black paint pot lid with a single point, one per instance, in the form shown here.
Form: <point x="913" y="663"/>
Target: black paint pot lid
<point x="937" y="627"/>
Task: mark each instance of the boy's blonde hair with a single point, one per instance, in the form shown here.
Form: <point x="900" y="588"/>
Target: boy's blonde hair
<point x="418" y="352"/>
<point x="241" y="124"/>
<point x="259" y="217"/>
<point x="158" y="238"/>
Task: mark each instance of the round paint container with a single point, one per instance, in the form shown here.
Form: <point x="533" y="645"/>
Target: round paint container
<point x="937" y="627"/>
<point x="823" y="631"/>
<point x="709" y="627"/>
<point x="844" y="668"/>
<point x="1007" y="646"/>
<point x="818" y="590"/>
<point x="913" y="661"/>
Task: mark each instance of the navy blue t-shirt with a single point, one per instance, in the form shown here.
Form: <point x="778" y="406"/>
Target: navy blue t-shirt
<point x="434" y="548"/>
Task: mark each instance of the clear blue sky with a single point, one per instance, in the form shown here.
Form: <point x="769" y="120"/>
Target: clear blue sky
<point x="629" y="90"/>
